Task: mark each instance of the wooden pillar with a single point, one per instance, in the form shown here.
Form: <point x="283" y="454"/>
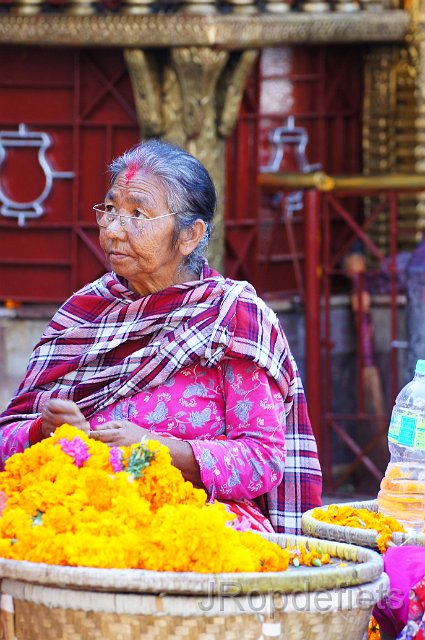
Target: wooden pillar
<point x="191" y="96"/>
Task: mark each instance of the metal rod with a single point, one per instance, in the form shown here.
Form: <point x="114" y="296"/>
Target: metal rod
<point x="328" y="345"/>
<point x="323" y="182"/>
<point x="393" y="293"/>
<point x="356" y="449"/>
<point x="312" y="311"/>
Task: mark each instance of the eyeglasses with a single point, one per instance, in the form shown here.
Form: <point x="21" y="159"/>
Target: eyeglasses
<point x="105" y="218"/>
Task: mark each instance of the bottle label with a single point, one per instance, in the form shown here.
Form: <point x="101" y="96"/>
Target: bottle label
<point x="407" y="430"/>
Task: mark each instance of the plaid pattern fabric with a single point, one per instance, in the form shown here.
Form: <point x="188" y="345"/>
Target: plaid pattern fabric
<point x="106" y="343"/>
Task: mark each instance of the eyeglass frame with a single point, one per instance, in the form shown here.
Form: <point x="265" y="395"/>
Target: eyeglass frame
<point x="139" y="222"/>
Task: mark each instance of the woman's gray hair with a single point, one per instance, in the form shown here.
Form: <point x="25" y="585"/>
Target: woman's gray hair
<point x="190" y="191"/>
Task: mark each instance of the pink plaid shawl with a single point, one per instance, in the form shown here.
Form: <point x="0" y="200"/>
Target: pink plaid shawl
<point x="106" y="342"/>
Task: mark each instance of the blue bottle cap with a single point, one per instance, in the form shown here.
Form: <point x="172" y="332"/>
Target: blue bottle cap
<point x="420" y="367"/>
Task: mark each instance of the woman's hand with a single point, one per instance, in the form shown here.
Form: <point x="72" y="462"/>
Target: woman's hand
<point x="120" y="433"/>
<point x="57" y="412"/>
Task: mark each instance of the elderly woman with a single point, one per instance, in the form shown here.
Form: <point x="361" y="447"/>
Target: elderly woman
<point x="165" y="347"/>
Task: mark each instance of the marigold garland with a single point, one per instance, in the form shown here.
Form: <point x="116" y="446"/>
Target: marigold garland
<point x="346" y="516"/>
<point x="74" y="501"/>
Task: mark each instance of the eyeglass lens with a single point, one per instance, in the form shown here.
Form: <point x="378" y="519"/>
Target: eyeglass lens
<point x="105" y="218"/>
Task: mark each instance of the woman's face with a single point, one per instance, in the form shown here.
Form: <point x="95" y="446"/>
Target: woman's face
<point x="146" y="257"/>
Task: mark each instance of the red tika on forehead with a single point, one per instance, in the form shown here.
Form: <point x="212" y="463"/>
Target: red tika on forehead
<point x="131" y="171"/>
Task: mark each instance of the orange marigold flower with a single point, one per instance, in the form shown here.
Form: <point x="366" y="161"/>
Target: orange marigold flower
<point x="373" y="632"/>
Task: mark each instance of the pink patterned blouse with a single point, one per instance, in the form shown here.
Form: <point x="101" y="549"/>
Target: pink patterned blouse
<point x="232" y="416"/>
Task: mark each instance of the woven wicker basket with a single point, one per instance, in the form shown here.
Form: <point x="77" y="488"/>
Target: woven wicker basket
<point x="46" y="602"/>
<point x="353" y="535"/>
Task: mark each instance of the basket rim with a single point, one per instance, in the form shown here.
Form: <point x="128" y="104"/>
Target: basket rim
<point x="353" y="535"/>
<point x="336" y="600"/>
<point x="358" y="566"/>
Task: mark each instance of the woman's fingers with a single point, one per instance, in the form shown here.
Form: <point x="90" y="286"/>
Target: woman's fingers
<point x="57" y="412"/>
<point x="112" y="424"/>
<point x="55" y="409"/>
<point x="118" y="433"/>
<point x="107" y="434"/>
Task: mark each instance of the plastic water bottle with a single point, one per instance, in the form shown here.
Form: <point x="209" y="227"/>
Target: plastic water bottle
<point x="402" y="494"/>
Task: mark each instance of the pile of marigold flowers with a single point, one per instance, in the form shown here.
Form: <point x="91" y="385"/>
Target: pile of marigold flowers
<point x="74" y="501"/>
<point x="347" y="516"/>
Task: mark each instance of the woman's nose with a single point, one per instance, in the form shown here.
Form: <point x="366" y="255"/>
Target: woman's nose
<point x="115" y="228"/>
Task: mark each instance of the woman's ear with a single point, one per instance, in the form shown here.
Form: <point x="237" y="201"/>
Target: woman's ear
<point x="191" y="237"/>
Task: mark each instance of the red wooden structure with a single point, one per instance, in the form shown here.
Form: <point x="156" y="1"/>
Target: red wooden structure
<point x="325" y="98"/>
<point x="349" y="421"/>
<point x="83" y="101"/>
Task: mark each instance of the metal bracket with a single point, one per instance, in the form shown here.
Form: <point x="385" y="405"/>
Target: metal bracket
<point x="20" y="139"/>
<point x="297" y="137"/>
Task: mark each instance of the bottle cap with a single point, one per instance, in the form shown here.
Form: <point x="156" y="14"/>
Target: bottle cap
<point x="420" y="367"/>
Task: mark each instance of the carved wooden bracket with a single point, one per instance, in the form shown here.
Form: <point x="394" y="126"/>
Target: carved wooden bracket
<point x="394" y="128"/>
<point x="191" y="96"/>
<point x="146" y="81"/>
